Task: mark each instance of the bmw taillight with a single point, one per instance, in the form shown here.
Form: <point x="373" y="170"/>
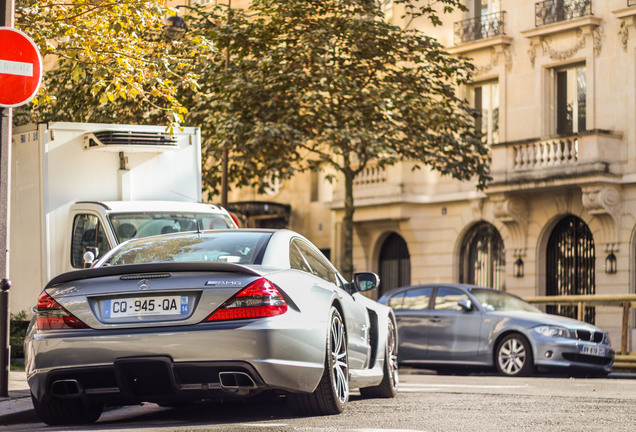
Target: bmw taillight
<point x="51" y="316"/>
<point x="259" y="299"/>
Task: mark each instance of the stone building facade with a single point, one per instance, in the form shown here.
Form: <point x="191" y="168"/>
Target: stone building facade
<point x="555" y="82"/>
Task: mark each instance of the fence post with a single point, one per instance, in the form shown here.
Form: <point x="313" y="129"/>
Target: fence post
<point x="625" y="329"/>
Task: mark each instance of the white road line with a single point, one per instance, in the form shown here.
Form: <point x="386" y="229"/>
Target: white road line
<point x="414" y="387"/>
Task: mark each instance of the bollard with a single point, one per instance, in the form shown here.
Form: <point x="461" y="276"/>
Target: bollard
<point x="5" y="347"/>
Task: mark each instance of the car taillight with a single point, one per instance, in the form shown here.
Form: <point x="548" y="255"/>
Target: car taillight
<point x="257" y="300"/>
<point x="51" y="316"/>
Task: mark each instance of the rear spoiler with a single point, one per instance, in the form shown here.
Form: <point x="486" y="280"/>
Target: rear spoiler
<point x="150" y="270"/>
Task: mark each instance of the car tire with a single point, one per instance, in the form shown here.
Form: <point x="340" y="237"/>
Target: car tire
<point x="55" y="411"/>
<point x="332" y="393"/>
<point x="513" y="356"/>
<point x="389" y="384"/>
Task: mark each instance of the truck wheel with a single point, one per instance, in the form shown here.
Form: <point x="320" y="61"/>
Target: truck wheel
<point x="513" y="356"/>
<point x="54" y="411"/>
<point x="389" y="384"/>
<point x="332" y="392"/>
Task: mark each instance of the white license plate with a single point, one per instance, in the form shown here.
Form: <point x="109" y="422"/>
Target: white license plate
<point x="592" y="350"/>
<point x="145" y="306"/>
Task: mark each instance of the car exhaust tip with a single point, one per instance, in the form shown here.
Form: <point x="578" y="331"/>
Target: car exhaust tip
<point x="68" y="388"/>
<point x="236" y="381"/>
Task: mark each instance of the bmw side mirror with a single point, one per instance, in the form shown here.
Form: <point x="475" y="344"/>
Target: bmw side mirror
<point x="365" y="281"/>
<point x="465" y="304"/>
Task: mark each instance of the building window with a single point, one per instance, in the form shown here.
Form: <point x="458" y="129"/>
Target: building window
<point x="570" y="261"/>
<point x="570" y="89"/>
<point x="483" y="261"/>
<point x="486" y="102"/>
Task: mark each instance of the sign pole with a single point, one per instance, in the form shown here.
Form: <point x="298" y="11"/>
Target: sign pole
<point x="7" y="8"/>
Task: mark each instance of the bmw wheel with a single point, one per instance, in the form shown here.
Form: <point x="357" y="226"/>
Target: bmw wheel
<point x="388" y="387"/>
<point x="332" y="392"/>
<point x="513" y="356"/>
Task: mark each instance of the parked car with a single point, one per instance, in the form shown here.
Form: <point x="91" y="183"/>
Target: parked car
<point x="208" y="315"/>
<point x="446" y="325"/>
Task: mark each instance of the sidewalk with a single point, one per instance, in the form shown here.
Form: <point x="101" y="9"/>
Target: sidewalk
<point x="19" y="399"/>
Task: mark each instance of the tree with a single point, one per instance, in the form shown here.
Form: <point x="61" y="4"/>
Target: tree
<point x="329" y="83"/>
<point x="111" y="61"/>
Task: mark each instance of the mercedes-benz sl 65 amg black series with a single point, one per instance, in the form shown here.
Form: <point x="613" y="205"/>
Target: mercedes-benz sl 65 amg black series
<point x="209" y="315"/>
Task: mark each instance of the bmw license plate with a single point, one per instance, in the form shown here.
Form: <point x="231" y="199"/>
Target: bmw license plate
<point x="592" y="350"/>
<point x="146" y="306"/>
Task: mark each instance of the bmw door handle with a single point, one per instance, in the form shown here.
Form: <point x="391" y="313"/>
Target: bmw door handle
<point x="435" y="319"/>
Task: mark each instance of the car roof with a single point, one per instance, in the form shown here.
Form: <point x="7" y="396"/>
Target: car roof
<point x="156" y="206"/>
<point x="464" y="286"/>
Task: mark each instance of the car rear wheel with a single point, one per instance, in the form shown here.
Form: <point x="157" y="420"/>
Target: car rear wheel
<point x="55" y="411"/>
<point x="513" y="356"/>
<point x="388" y="387"/>
<point x="332" y="392"/>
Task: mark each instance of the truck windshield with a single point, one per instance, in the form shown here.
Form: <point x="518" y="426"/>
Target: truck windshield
<point x="136" y="225"/>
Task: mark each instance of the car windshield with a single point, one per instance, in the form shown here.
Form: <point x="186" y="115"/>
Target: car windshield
<point x="145" y="224"/>
<point x="500" y="301"/>
<point x="222" y="247"/>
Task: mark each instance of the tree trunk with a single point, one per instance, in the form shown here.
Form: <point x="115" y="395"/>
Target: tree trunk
<point x="347" y="226"/>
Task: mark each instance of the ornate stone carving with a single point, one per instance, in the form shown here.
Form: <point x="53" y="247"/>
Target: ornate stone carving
<point x="605" y="203"/>
<point x="495" y="55"/>
<point x="513" y="212"/>
<point x="546" y="44"/>
<point x="623" y="34"/>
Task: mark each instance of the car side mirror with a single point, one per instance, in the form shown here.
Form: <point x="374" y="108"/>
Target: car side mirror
<point x="365" y="281"/>
<point x="465" y="304"/>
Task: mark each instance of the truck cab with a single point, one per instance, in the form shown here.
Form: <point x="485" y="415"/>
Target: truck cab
<point x="98" y="226"/>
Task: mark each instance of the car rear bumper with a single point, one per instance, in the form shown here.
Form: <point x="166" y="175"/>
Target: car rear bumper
<point x="194" y="362"/>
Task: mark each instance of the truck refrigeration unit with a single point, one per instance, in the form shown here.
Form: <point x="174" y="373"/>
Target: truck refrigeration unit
<point x="78" y="188"/>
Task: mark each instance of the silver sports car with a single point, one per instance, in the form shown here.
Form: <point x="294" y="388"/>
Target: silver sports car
<point x="208" y="315"/>
<point x="446" y="325"/>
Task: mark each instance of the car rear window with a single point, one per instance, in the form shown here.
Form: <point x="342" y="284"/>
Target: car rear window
<point x="224" y="247"/>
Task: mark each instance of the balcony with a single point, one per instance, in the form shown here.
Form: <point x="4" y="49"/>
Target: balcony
<point x="483" y="27"/>
<point x="553" y="11"/>
<point x="573" y="159"/>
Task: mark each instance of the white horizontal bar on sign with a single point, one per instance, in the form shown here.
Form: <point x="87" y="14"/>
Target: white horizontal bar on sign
<point x="10" y="67"/>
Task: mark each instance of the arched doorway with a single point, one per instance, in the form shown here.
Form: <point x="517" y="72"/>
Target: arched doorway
<point x="482" y="257"/>
<point x="570" y="263"/>
<point x="395" y="263"/>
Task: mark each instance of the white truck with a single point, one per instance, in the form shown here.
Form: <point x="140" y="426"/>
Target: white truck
<point x="78" y="187"/>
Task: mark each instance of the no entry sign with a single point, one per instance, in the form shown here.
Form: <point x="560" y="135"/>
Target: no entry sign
<point x="20" y="68"/>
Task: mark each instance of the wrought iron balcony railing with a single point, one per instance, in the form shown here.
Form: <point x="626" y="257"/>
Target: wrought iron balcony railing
<point x="483" y="27"/>
<point x="552" y="11"/>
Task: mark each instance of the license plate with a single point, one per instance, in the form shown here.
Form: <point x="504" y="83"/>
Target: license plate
<point x="592" y="350"/>
<point x="145" y="306"/>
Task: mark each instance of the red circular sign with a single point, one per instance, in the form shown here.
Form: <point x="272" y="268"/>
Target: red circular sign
<point x="20" y="68"/>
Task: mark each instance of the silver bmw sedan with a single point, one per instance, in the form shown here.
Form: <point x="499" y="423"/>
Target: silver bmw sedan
<point x="441" y="326"/>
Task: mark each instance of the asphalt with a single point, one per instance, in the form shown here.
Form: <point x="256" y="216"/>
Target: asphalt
<point x="17" y="407"/>
<point x="19" y="400"/>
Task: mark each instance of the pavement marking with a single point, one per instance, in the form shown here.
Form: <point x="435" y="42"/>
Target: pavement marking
<point x="419" y="387"/>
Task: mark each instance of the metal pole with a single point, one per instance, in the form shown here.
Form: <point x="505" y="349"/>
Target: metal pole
<point x="224" y="160"/>
<point x="6" y="20"/>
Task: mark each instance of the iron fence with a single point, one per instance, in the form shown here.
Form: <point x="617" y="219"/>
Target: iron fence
<point x="552" y="11"/>
<point x="482" y="27"/>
